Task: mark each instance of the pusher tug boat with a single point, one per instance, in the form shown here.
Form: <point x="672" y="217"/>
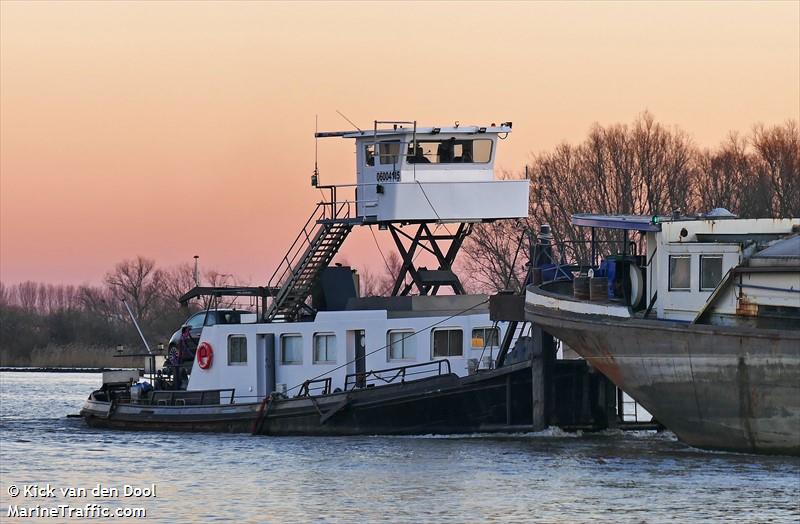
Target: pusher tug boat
<point x="317" y="359"/>
<point x="702" y="327"/>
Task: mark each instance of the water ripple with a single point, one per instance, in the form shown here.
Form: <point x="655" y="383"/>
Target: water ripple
<point x="550" y="476"/>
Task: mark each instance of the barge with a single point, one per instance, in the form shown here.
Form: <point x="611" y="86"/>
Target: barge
<point x="702" y="328"/>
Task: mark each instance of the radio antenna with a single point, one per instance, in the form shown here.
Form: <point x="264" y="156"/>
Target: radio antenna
<point x="351" y="122"/>
<point x="315" y="177"/>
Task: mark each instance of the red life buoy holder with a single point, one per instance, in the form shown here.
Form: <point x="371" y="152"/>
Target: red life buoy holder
<point x="205" y="355"/>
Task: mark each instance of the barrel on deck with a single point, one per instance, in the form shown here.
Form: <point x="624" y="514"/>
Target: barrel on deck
<point x="598" y="289"/>
<point x="580" y="287"/>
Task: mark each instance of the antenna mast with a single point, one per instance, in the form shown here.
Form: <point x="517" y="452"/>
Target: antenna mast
<point x="350" y="121"/>
<point x="315" y="176"/>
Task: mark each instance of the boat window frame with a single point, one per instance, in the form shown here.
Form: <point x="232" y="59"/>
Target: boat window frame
<point x="715" y="256"/>
<point x="327" y="348"/>
<point x="369" y="155"/>
<point x="484" y="329"/>
<point x="459" y="329"/>
<point x="405" y="343"/>
<point x="285" y="336"/>
<point x="232" y="362"/>
<point x="456" y="141"/>
<point x="380" y="156"/>
<point x="688" y="287"/>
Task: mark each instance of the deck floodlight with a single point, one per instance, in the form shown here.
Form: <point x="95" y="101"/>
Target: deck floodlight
<point x="481" y="130"/>
<point x="506" y="124"/>
<point x="314" y="180"/>
<point x="436" y="130"/>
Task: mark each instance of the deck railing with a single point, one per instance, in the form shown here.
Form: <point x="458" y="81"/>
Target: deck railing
<point x="399" y="374"/>
<point x="319" y="386"/>
<point x="209" y="397"/>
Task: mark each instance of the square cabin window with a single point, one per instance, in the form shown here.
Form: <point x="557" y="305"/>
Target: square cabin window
<point x="291" y="349"/>
<point x="448" y="343"/>
<point x="237" y="350"/>
<point x="324" y="348"/>
<point x="680" y="272"/>
<point x="710" y="272"/>
<point x="389" y="153"/>
<point x="485" y="337"/>
<point x="401" y="345"/>
<point x="481" y="150"/>
<point x="369" y="154"/>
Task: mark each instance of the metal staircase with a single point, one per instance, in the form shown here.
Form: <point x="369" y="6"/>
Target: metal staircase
<point x="311" y="252"/>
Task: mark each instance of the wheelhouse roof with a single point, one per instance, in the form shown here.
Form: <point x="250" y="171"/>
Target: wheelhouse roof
<point x="629" y="222"/>
<point x="404" y="131"/>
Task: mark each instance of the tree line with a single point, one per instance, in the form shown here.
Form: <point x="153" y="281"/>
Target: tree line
<point x="36" y="315"/>
<point x="642" y="168"/>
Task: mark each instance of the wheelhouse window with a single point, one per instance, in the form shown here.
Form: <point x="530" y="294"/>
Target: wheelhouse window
<point x="710" y="272"/>
<point x="450" y="151"/>
<point x="324" y="348"/>
<point x="680" y="272"/>
<point x="389" y="152"/>
<point x="237" y="350"/>
<point x="401" y="345"/>
<point x="291" y="349"/>
<point x="448" y="343"/>
<point x="485" y="337"/>
<point x="369" y="154"/>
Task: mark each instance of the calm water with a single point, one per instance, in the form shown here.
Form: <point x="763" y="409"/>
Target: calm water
<point x="548" y="477"/>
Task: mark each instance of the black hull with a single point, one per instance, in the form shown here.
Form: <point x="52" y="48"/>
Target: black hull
<point x="497" y="400"/>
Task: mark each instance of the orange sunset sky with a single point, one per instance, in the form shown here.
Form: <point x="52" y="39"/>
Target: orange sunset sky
<point x="174" y="129"/>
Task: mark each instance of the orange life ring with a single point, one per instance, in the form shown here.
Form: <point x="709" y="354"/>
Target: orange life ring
<point x="205" y="355"/>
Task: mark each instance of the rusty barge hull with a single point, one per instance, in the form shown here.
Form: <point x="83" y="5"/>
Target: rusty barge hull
<point x="716" y="387"/>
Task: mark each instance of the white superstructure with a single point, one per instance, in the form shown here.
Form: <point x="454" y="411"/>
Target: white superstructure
<point x="443" y="174"/>
<point x="413" y="331"/>
<point x="425" y="178"/>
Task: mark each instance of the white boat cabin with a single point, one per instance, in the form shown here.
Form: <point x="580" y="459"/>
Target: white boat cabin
<point x="372" y="334"/>
<point x="442" y="174"/>
<point x="716" y="265"/>
<point x="695" y="259"/>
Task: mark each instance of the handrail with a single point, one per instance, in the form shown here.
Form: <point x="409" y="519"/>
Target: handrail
<point x="401" y="373"/>
<point x="187" y="395"/>
<point x="306" y="389"/>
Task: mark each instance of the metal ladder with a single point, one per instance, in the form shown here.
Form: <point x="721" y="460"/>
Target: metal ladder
<point x="310" y="253"/>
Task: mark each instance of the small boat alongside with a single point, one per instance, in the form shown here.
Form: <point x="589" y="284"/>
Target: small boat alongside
<point x="702" y="328"/>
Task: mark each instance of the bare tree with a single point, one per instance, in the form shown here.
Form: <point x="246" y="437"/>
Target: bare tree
<point x="139" y="283"/>
<point x="176" y="281"/>
<point x="379" y="284"/>
<point x="8" y="295"/>
<point x="28" y="295"/>
<point x="495" y="256"/>
<point x="778" y="162"/>
<point x="721" y="174"/>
